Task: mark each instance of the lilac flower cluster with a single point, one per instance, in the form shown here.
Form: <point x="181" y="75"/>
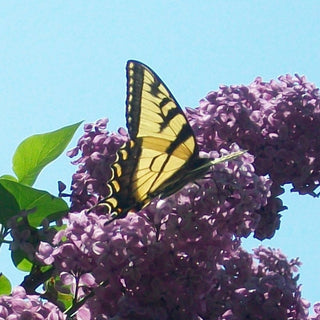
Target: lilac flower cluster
<point x="26" y="307"/>
<point x="98" y="152"/>
<point x="25" y="237"/>
<point x="277" y="122"/>
<point x="180" y="258"/>
<point x="189" y="272"/>
<point x="270" y="290"/>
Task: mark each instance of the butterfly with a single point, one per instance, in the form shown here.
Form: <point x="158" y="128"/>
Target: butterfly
<point x="162" y="155"/>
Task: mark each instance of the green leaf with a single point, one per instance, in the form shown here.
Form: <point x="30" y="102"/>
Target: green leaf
<point x="41" y="203"/>
<point x="21" y="261"/>
<point x="8" y="204"/>
<point x="5" y="285"/>
<point x="8" y="177"/>
<point x="65" y="299"/>
<point x="34" y="153"/>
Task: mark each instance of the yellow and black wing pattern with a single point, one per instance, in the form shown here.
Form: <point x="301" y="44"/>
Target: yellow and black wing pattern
<point x="162" y="154"/>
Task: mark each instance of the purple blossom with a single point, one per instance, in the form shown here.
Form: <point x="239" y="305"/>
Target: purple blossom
<point x="98" y="151"/>
<point x="20" y="306"/>
<point x="316" y="309"/>
<point x="278" y="122"/>
<point x="25" y="237"/>
<point x="180" y="258"/>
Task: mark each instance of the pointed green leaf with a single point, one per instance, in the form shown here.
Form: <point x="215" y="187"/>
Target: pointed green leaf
<point x="8" y="177"/>
<point x="65" y="299"/>
<point x="41" y="203"/>
<point x="21" y="261"/>
<point x="34" y="153"/>
<point x="8" y="204"/>
<point x="5" y="285"/>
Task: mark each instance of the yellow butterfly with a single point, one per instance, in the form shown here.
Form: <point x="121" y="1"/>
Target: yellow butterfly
<point x="162" y="155"/>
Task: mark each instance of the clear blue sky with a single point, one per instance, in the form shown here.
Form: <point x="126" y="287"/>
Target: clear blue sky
<point x="63" y="61"/>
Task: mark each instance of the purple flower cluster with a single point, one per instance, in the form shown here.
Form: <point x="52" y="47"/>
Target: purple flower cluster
<point x="277" y="122"/>
<point x="180" y="258"/>
<point x="98" y="152"/>
<point x="187" y="271"/>
<point x="269" y="289"/>
<point x="20" y="306"/>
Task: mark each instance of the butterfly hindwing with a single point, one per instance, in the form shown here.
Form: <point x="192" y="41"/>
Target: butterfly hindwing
<point x="162" y="151"/>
